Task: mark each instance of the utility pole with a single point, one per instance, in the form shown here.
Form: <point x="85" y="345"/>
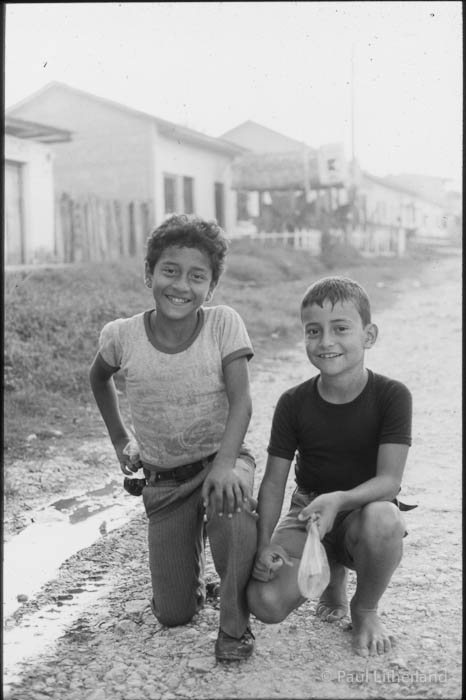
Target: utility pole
<point x="352" y="105"/>
<point x="352" y="192"/>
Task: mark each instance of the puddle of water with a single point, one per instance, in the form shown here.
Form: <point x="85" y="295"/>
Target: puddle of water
<point x="113" y="488"/>
<point x="39" y="634"/>
<point x="33" y="557"/>
<point x="85" y="512"/>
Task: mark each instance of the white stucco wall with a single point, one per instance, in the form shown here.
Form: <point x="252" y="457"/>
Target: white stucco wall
<point x="205" y="167"/>
<point x="386" y="205"/>
<point x="38" y="195"/>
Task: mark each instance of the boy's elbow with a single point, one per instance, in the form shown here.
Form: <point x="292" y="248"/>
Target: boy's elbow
<point x="393" y="489"/>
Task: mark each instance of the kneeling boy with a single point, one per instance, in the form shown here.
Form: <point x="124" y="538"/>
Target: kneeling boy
<point x="187" y="384"/>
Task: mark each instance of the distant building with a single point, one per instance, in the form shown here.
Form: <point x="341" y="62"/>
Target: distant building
<point x="435" y="193"/>
<point x="430" y="187"/>
<point x="283" y="184"/>
<point x="388" y="215"/>
<point x="426" y="213"/>
<point x="268" y="175"/>
<point x="124" y="154"/>
<point x="29" y="190"/>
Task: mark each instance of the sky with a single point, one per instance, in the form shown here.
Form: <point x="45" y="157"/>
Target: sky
<point x="382" y="78"/>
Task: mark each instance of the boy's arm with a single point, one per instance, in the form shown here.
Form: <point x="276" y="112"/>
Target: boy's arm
<point x="103" y="388"/>
<point x="391" y="461"/>
<point x="270" y="558"/>
<point x="270" y="498"/>
<point x="225" y="488"/>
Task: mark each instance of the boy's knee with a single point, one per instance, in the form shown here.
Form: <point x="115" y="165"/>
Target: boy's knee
<point x="174" y="617"/>
<point x="381" y="521"/>
<point x="241" y="527"/>
<point x="175" y="620"/>
<point x="265" y="602"/>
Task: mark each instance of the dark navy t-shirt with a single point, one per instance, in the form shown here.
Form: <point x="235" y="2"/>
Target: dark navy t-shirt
<point x="337" y="444"/>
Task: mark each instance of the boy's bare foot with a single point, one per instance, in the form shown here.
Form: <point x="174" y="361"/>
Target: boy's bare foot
<point x="369" y="635"/>
<point x="333" y="603"/>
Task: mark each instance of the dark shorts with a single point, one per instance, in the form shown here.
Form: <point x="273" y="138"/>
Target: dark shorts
<point x="291" y="533"/>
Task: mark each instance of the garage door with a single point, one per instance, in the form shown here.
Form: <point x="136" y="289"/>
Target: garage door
<point x="14" y="230"/>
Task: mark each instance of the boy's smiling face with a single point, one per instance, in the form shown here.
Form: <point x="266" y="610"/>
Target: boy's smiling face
<point x="335" y="338"/>
<point x="181" y="282"/>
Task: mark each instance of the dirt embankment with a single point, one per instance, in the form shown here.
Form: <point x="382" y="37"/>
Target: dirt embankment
<point x="117" y="650"/>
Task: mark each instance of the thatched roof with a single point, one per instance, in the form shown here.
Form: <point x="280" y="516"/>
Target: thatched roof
<point x="275" y="171"/>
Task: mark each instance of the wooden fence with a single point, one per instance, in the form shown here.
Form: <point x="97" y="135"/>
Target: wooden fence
<point x="374" y="241"/>
<point x="95" y="229"/>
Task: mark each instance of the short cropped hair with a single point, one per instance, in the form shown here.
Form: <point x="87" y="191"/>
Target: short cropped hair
<point x="189" y="231"/>
<point x="338" y="289"/>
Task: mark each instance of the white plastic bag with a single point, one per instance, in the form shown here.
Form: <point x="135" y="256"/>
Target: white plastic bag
<point x="314" y="571"/>
<point x="131" y="450"/>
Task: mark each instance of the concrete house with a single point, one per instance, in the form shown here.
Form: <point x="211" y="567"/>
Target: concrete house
<point x="124" y="154"/>
<point x="29" y="190"/>
<point x="388" y="205"/>
<point x="437" y="215"/>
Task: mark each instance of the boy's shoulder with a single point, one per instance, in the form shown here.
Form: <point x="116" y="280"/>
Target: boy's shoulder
<point x="382" y="383"/>
<point x="221" y="313"/>
<point x="301" y="390"/>
<point x="120" y="324"/>
<point x="219" y="310"/>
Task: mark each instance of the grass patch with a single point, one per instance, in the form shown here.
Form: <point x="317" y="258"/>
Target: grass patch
<point x="53" y="318"/>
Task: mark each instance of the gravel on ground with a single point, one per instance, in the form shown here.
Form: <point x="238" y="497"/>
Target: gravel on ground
<point x="117" y="650"/>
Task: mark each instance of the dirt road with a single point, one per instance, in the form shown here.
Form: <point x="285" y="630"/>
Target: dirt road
<point x="117" y="650"/>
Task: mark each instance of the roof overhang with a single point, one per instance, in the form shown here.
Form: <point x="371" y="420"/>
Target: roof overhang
<point x="33" y="131"/>
<point x="196" y="138"/>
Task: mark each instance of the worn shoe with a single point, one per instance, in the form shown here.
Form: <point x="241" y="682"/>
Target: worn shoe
<point x="232" y="649"/>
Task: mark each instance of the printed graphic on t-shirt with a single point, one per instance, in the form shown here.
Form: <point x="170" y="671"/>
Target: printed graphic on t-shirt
<point x="178" y="401"/>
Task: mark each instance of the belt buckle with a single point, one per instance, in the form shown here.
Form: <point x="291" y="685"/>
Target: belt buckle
<point x="158" y="476"/>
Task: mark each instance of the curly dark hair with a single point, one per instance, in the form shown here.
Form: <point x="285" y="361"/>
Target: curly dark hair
<point x="189" y="231"/>
<point x="338" y="289"/>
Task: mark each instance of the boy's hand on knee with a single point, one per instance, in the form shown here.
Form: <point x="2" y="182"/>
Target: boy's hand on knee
<point x="224" y="492"/>
<point x="268" y="561"/>
<point x="323" y="510"/>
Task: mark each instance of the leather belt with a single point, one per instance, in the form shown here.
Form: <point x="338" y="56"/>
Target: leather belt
<point x="180" y="474"/>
